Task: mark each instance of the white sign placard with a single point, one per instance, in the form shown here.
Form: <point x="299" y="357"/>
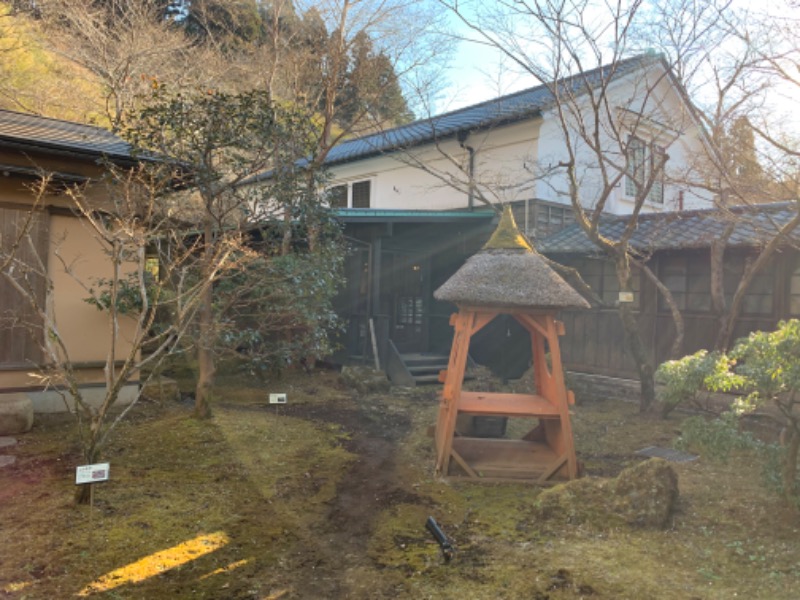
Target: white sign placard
<point x="626" y="296"/>
<point x="91" y="473"/>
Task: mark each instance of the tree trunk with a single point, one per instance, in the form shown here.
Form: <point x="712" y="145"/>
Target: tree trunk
<point x="205" y="358"/>
<point x="633" y="337"/>
<point x="205" y="343"/>
<point x="639" y="353"/>
<point x="790" y="464"/>
<point x="91" y="455"/>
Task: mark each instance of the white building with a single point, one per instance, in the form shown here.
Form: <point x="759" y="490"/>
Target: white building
<point x="510" y="150"/>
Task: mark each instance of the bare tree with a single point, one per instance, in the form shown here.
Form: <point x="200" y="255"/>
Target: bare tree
<point x="610" y="113"/>
<point x="128" y="46"/>
<point x="131" y="226"/>
<point x="749" y="58"/>
<point x="711" y="56"/>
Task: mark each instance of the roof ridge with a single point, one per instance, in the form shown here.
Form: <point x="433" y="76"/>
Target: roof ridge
<point x="431" y="119"/>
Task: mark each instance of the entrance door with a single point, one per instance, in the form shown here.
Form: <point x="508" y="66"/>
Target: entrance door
<point x="409" y="290"/>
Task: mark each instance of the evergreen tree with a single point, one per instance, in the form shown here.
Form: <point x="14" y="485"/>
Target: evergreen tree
<point x="746" y="176"/>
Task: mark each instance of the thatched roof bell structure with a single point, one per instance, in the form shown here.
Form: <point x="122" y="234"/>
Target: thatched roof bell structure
<point x="508" y="272"/>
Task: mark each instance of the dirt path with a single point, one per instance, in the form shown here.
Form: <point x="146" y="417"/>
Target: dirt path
<point x="318" y="564"/>
<point x="365" y="491"/>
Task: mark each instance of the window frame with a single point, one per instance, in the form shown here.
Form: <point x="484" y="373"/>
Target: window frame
<point x="350" y="196"/>
<point x="647" y="157"/>
<point x="600" y="275"/>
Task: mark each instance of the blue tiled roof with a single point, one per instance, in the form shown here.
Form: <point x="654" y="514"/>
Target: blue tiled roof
<point x="753" y="225"/>
<point x="55" y="134"/>
<point x="505" y="109"/>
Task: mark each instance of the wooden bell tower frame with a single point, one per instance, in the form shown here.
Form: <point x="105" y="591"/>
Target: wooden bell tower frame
<point x="547" y="452"/>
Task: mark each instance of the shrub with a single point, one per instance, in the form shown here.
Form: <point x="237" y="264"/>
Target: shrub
<point x="767" y="366"/>
<point x="689" y="379"/>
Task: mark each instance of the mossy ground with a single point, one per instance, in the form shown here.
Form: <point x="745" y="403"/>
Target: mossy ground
<point x="327" y="497"/>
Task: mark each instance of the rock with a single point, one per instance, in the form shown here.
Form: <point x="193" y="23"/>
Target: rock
<point x="7" y="461"/>
<point x="161" y="389"/>
<point x="16" y="413"/>
<point x="365" y="379"/>
<point x="642" y="496"/>
<point x="645" y="494"/>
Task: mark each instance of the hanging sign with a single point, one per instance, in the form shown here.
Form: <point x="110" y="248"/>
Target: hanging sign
<point x="625" y="297"/>
<point x="91" y="473"/>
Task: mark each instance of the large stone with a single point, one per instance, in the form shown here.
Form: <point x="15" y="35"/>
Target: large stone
<point x="644" y="495"/>
<point x="161" y="389"/>
<point x="16" y="413"/>
<point x="365" y="379"/>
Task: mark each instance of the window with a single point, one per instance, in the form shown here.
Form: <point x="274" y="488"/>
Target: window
<point x="360" y="194"/>
<point x="350" y="195"/>
<point x="643" y="163"/>
<point x="688" y="278"/>
<point x="337" y="196"/>
<point x="601" y="276"/>
<point x="758" y="299"/>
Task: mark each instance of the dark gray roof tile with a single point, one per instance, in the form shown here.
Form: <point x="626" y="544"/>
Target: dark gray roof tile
<point x="55" y="134"/>
<point x="754" y="225"/>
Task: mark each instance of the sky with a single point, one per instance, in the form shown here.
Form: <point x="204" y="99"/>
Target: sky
<point x="477" y="73"/>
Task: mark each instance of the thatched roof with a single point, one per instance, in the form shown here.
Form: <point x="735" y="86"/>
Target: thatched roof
<point x="507" y="272"/>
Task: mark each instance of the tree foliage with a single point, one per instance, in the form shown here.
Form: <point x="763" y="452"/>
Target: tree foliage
<point x="766" y="366"/>
<point x="687" y="380"/>
<point x="270" y="299"/>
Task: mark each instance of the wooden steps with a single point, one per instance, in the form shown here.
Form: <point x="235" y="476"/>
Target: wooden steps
<point x="424" y="367"/>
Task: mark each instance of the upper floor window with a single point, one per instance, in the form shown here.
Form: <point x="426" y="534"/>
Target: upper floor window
<point x="355" y="194"/>
<point x="644" y="162"/>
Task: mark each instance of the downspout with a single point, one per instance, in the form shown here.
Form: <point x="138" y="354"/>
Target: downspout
<point x="463" y="134"/>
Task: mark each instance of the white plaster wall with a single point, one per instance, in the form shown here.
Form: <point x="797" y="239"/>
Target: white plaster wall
<point x="666" y="122"/>
<point x="436" y="177"/>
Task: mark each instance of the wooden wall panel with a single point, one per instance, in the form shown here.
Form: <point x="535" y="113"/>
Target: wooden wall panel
<point x="20" y="324"/>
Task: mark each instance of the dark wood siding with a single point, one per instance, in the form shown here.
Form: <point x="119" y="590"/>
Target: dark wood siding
<point x="26" y="237"/>
<point x="595" y="343"/>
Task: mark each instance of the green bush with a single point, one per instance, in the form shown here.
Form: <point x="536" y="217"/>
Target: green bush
<point x="716" y="438"/>
<point x="767" y="366"/>
<point x="688" y="379"/>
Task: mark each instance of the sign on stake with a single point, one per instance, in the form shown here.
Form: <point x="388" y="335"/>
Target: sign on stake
<point x="91" y="474"/>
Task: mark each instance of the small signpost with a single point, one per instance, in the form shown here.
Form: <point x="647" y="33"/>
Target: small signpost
<point x="92" y="474"/>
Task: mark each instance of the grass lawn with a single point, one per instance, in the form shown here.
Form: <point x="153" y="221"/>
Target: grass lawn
<point x="327" y="497"/>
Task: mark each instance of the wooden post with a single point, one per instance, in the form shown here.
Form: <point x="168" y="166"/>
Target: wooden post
<point x="448" y="409"/>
